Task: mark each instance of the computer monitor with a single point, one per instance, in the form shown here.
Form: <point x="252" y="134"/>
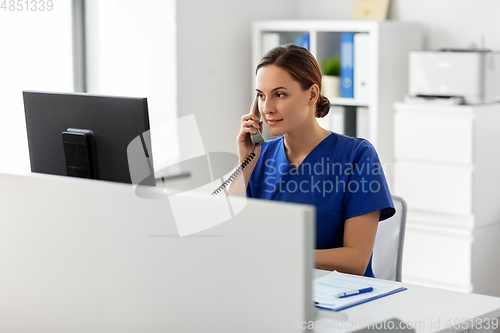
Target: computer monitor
<point x="84" y="135"/>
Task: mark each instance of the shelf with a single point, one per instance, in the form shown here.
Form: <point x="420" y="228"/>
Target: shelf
<point x="319" y="25"/>
<point x="346" y="101"/>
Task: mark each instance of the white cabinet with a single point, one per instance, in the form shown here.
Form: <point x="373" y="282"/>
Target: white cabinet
<point x="387" y="53"/>
<point x="447" y="167"/>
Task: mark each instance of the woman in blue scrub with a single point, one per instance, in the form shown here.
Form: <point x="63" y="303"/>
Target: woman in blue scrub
<point x="342" y="176"/>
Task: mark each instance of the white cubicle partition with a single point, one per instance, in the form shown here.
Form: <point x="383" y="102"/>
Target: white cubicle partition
<point x="91" y="256"/>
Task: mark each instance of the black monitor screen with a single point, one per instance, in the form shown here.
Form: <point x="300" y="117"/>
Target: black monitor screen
<point x="97" y="131"/>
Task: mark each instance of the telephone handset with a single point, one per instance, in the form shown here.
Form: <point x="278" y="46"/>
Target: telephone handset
<point x="257" y="140"/>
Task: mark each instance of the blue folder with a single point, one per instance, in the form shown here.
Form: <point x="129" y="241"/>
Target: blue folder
<point x="347" y="65"/>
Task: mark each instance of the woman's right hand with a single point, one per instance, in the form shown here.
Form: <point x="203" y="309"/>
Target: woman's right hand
<point x="249" y="125"/>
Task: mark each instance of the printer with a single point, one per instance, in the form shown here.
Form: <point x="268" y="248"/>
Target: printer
<point x="470" y="75"/>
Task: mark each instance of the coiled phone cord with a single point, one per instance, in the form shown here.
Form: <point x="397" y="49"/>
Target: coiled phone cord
<point x="235" y="173"/>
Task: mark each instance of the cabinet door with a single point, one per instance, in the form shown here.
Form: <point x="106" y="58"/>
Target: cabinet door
<point x="434" y="136"/>
<point x="436" y="255"/>
<point x="443" y="188"/>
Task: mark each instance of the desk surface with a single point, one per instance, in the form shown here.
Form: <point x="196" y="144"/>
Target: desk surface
<point x="423" y="308"/>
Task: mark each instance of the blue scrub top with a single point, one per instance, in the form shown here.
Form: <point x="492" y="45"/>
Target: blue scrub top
<point x="342" y="176"/>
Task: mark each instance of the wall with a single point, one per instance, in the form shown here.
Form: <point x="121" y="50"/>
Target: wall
<point x="214" y="63"/>
<point x="131" y="52"/>
<point x="213" y="49"/>
<point x="452" y="23"/>
<point x="447" y="23"/>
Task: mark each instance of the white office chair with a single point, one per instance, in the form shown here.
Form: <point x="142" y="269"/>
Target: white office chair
<point x="387" y="261"/>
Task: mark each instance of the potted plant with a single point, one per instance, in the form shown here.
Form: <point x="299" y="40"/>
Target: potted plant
<point x="330" y="69"/>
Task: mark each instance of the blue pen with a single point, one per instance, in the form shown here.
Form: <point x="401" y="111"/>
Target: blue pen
<point x="354" y="292"/>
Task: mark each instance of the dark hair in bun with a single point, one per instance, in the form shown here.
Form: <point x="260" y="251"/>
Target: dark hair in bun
<point x="322" y="106"/>
<point x="302" y="65"/>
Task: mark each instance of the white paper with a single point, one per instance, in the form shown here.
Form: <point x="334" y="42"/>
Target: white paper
<point x="326" y="287"/>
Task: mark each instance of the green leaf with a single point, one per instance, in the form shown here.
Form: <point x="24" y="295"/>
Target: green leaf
<point x="331" y="66"/>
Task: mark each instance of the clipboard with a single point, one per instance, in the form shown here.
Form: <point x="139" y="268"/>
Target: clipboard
<point x="326" y="287"/>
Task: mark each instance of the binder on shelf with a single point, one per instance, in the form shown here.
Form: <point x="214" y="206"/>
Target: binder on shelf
<point x="361" y="62"/>
<point x="347" y="65"/>
<point x="306" y="41"/>
<point x="327" y="287"/>
<point x="302" y="40"/>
